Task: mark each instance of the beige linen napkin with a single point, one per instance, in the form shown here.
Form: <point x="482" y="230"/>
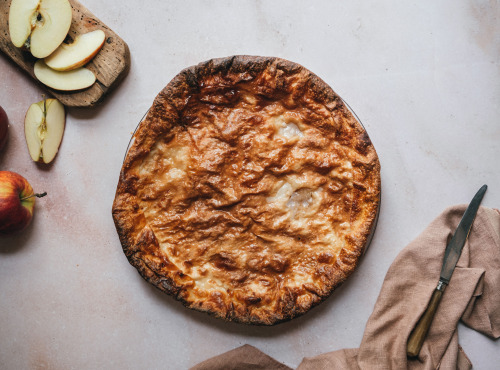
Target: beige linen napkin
<point x="473" y="296"/>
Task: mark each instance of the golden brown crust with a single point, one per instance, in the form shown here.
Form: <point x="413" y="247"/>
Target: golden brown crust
<point x="250" y="191"/>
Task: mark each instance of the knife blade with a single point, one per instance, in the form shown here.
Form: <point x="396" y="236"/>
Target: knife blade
<point x="451" y="255"/>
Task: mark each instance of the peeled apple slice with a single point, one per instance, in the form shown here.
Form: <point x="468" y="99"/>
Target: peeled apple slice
<point x="76" y="79"/>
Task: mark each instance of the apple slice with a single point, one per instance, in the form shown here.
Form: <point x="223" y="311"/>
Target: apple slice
<point x="43" y="24"/>
<point x="22" y="20"/>
<point x="78" y="53"/>
<point x="44" y="128"/>
<point x="76" y="79"/>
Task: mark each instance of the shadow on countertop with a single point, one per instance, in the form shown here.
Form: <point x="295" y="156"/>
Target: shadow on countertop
<point x="285" y="328"/>
<point x="10" y="244"/>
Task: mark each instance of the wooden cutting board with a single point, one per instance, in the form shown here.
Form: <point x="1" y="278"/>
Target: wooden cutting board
<point x="110" y="65"/>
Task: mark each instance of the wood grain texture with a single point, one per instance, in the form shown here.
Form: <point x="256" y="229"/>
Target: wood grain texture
<point x="419" y="333"/>
<point x="110" y="65"/>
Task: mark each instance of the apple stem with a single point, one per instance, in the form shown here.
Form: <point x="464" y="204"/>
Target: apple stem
<point x="38" y="195"/>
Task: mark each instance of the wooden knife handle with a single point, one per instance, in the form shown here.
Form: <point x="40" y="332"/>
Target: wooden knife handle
<point x="418" y="334"/>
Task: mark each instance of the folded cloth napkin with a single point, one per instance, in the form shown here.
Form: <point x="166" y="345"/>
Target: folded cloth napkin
<point x="473" y="296"/>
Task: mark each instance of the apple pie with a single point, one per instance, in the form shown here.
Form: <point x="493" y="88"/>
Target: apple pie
<point x="250" y="190"/>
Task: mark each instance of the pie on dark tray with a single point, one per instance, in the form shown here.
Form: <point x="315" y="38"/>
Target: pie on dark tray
<point x="250" y="191"/>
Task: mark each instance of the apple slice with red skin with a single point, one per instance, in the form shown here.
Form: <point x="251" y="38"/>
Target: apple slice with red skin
<point x="17" y="201"/>
<point x="71" y="56"/>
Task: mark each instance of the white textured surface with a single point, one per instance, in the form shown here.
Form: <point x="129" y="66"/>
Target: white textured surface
<point x="424" y="78"/>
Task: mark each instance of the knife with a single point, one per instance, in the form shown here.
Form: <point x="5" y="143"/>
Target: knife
<point x="451" y="256"/>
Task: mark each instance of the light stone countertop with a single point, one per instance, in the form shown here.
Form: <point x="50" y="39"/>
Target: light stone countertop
<point x="423" y="77"/>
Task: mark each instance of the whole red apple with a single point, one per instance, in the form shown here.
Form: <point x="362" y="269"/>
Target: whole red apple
<point x="4" y="124"/>
<point x="17" y="200"/>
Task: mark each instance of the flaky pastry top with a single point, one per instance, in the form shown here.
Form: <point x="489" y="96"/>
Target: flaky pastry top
<point x="250" y="191"/>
